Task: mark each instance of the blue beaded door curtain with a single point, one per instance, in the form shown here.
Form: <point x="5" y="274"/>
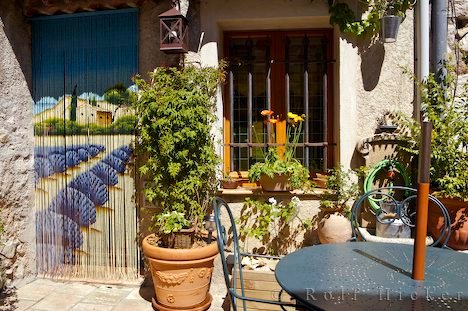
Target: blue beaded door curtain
<point x="86" y="219"/>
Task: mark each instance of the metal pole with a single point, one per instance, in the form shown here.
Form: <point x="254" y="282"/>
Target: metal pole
<point x="419" y="253"/>
<point x="439" y="37"/>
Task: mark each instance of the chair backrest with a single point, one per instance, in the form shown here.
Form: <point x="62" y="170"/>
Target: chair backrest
<point x="401" y="197"/>
<point x="221" y="208"/>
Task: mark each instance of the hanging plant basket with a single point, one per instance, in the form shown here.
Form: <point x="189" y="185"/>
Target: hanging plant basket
<point x="389" y="26"/>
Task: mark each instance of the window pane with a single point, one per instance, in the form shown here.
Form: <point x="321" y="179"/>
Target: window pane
<point x="304" y="65"/>
<point x="316" y="158"/>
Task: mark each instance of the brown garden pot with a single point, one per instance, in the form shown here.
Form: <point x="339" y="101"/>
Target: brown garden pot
<point x="334" y="228"/>
<point x="181" y="277"/>
<point x="277" y="183"/>
<point x="458" y="211"/>
<point x="230" y="184"/>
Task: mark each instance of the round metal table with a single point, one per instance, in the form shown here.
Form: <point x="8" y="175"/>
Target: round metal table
<point x="374" y="276"/>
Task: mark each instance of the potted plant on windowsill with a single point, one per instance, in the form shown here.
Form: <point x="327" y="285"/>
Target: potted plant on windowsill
<point x="448" y="113"/>
<point x="280" y="171"/>
<point x="334" y="225"/>
<point x="229" y="183"/>
<point x="176" y="113"/>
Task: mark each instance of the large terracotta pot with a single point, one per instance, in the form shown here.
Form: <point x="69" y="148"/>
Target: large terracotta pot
<point x="277" y="183"/>
<point x="181" y="277"/>
<point x="334" y="228"/>
<point x="458" y="211"/>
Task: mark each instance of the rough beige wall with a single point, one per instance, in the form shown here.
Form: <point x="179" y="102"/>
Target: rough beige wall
<point x="368" y="78"/>
<point x="382" y="86"/>
<point x="17" y="244"/>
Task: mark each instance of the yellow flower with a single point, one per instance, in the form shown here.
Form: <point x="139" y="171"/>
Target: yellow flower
<point x="295" y="118"/>
<point x="292" y="115"/>
<point x="298" y="119"/>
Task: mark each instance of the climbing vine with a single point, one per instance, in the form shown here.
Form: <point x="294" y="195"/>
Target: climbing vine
<point x="345" y="18"/>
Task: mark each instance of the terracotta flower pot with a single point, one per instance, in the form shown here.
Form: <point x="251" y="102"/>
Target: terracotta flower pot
<point x="334" y="228"/>
<point x="458" y="211"/>
<point x="181" y="277"/>
<point x="277" y="183"/>
<point x="229" y="184"/>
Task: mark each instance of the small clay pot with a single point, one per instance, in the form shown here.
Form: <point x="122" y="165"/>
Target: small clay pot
<point x="334" y="228"/>
<point x="230" y="184"/>
<point x="276" y="184"/>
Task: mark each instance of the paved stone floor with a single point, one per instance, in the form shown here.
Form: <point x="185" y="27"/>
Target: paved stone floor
<point x="49" y="295"/>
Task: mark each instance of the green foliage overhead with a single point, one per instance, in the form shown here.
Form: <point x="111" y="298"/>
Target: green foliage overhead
<point x="448" y="113"/>
<point x="342" y="15"/>
<point x="176" y="112"/>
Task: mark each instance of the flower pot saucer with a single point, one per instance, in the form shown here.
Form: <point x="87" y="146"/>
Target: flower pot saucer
<point x="199" y="307"/>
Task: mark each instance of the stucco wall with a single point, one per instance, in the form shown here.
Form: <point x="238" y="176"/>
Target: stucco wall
<point x="17" y="244"/>
<point x="368" y="77"/>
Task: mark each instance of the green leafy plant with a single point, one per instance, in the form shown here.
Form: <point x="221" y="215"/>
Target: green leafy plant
<point x="275" y="164"/>
<point x="176" y="111"/>
<point x="448" y="113"/>
<point x="342" y="189"/>
<point x="271" y="223"/>
<point x="345" y="18"/>
<point x="170" y="222"/>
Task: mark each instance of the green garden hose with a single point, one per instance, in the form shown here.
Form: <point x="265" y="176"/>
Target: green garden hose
<point x="370" y="179"/>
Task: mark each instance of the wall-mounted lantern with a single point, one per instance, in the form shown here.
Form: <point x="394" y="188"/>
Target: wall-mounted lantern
<point x="173" y="32"/>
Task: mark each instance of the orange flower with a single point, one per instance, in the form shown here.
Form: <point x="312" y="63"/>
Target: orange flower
<point x="273" y="121"/>
<point x="266" y="113"/>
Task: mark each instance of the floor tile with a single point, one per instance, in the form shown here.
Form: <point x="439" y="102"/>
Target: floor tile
<point x="57" y="301"/>
<point x="75" y="288"/>
<point x="133" y="305"/>
<point x="92" y="307"/>
<point x="106" y="296"/>
<point x="34" y="291"/>
<point x="21" y="305"/>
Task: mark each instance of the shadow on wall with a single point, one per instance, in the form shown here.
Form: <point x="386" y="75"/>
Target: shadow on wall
<point x="372" y="53"/>
<point x="372" y="57"/>
<point x="18" y="31"/>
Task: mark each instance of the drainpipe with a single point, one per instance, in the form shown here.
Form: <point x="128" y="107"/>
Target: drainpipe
<point x="421" y="12"/>
<point x="439" y="37"/>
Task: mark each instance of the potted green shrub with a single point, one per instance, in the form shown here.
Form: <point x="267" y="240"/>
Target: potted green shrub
<point x="448" y="113"/>
<point x="280" y="171"/>
<point x="175" y="111"/>
<point x="334" y="225"/>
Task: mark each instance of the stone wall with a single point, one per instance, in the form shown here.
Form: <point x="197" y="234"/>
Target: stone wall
<point x="458" y="38"/>
<point x="17" y="244"/>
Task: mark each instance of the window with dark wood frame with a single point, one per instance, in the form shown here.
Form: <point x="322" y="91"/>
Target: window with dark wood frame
<point x="283" y="71"/>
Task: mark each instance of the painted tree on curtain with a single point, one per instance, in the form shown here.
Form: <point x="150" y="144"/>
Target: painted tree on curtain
<point x="83" y="123"/>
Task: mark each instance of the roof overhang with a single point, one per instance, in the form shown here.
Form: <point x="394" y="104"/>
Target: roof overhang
<point x="52" y="7"/>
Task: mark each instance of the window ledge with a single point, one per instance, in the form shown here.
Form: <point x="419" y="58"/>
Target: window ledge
<point x="239" y="194"/>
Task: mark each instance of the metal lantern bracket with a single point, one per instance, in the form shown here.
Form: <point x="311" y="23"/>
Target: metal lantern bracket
<point x="173" y="32"/>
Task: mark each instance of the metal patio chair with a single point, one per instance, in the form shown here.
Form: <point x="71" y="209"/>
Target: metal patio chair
<point x="403" y="210"/>
<point x="219" y="205"/>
